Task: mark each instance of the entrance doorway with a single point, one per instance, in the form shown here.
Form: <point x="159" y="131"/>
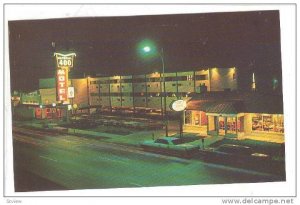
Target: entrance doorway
<point x="221" y="126"/>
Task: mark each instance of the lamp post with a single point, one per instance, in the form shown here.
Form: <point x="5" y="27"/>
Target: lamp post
<point x="149" y="48"/>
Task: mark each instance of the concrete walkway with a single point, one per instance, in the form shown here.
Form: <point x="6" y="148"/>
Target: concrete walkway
<point x="265" y="137"/>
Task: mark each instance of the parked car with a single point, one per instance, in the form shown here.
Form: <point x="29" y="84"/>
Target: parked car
<point x="83" y="124"/>
<point x="183" y="147"/>
<point x="233" y="154"/>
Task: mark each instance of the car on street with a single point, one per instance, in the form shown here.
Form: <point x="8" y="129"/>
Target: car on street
<point x="234" y="155"/>
<point x="183" y="147"/>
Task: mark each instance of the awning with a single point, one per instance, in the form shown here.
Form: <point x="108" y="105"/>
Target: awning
<point x="226" y="108"/>
<point x="216" y="107"/>
<point x="200" y="105"/>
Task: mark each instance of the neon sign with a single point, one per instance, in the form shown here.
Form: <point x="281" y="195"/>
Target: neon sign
<point x="62" y="84"/>
<point x="64" y="60"/>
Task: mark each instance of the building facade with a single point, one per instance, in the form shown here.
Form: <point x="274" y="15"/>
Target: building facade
<point x="148" y="91"/>
<point x="237" y="115"/>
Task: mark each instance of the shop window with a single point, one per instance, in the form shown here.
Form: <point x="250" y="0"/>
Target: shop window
<point x="231" y="125"/>
<point x="196" y="118"/>
<point x="267" y="123"/>
<point x="188" y="117"/>
<point x="257" y="123"/>
<point x="221" y="125"/>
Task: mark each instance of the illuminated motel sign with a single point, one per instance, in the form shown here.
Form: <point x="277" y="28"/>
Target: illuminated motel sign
<point x="62" y="84"/>
<point x="63" y="62"/>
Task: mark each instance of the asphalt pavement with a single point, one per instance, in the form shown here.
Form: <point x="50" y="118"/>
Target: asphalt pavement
<point x="67" y="162"/>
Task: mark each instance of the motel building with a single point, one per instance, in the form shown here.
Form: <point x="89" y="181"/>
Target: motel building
<point x="215" y="106"/>
<point x="139" y="93"/>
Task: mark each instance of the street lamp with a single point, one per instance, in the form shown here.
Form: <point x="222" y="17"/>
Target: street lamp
<point x="148" y="49"/>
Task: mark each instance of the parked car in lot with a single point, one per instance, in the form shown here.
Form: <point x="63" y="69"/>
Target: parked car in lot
<point x="83" y="124"/>
<point x="233" y="154"/>
<point x="183" y="147"/>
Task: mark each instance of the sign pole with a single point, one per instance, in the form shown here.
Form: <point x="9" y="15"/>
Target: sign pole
<point x="63" y="63"/>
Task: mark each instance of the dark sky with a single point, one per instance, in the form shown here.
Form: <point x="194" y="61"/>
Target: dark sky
<point x="107" y="45"/>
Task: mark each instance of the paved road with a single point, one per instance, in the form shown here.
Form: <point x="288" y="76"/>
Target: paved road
<point x="72" y="162"/>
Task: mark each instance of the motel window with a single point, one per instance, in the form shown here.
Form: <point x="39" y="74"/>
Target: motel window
<point x="138" y="80"/>
<point x="182" y="78"/>
<point x="201" y="77"/>
<point x="126" y="80"/>
<point x="153" y="80"/>
<point x="170" y="78"/>
<point x="190" y="77"/>
<point x="115" y="81"/>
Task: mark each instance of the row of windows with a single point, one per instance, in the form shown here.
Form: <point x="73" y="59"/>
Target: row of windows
<point x="149" y="86"/>
<point x="141" y="94"/>
<point x="30" y="102"/>
<point x="158" y="79"/>
<point x="123" y="100"/>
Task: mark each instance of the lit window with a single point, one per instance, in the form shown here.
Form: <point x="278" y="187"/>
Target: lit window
<point x="189" y="77"/>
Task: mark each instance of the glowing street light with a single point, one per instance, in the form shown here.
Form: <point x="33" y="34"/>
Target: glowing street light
<point x="148" y="49"/>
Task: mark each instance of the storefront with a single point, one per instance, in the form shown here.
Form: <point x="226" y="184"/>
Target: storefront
<point x="244" y="117"/>
<point x="228" y="125"/>
<point x="48" y="113"/>
<point x="267" y="123"/>
<point x="195" y="118"/>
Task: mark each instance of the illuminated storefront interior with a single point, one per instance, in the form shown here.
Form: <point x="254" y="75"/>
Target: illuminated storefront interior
<point x="243" y="115"/>
<point x="267" y="123"/>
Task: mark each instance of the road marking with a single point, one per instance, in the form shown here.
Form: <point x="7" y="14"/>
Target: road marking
<point x="135" y="184"/>
<point x="48" y="158"/>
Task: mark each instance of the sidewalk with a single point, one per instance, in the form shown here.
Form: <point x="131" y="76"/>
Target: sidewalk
<point x="134" y="139"/>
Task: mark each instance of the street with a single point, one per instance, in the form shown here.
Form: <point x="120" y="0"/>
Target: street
<point x="50" y="161"/>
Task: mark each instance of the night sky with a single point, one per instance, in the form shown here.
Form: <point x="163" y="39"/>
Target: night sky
<point x="249" y="41"/>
